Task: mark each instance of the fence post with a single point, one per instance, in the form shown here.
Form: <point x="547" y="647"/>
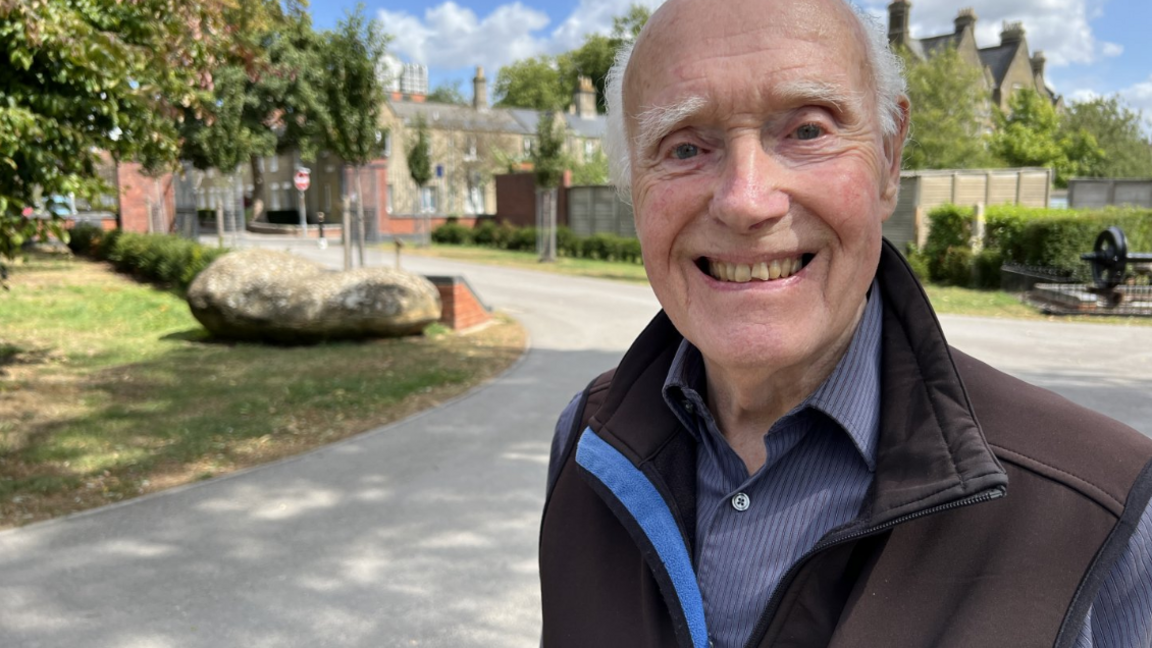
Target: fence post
<point x="977" y="241"/>
<point x="920" y="227"/>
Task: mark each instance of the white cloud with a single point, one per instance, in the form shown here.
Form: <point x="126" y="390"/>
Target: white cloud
<point x="1111" y="49"/>
<point x="450" y="36"/>
<point x="1059" y="27"/>
<point x="1139" y="96"/>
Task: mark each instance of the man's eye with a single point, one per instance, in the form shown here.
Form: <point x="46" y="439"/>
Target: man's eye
<point x="809" y="132"/>
<point x="685" y="151"/>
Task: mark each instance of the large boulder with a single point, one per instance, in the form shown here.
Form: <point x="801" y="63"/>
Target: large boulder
<point x="260" y="294"/>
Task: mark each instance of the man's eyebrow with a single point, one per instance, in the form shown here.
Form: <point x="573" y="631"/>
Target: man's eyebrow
<point x="656" y="122"/>
<point x="809" y="91"/>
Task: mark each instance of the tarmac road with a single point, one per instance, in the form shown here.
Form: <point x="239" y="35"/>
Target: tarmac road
<point x="422" y="533"/>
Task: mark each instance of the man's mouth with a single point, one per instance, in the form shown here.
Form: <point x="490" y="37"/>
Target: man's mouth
<point x="761" y="271"/>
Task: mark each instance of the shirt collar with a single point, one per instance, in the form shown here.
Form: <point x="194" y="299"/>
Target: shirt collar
<point x="850" y="395"/>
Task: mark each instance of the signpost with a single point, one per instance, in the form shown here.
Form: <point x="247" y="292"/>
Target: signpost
<point x="302" y="180"/>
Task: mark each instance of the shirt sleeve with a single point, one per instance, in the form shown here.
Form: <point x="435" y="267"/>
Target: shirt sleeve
<point x="560" y="438"/>
<point x="1121" y="615"/>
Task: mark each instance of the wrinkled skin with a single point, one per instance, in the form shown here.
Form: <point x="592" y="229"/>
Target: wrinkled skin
<point x="780" y="156"/>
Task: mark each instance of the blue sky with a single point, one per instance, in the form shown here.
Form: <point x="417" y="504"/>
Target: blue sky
<point x="1093" y="47"/>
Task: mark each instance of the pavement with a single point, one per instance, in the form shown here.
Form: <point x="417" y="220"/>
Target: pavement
<point x="420" y="533"/>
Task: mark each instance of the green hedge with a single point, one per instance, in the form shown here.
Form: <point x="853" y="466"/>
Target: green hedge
<point x="156" y="257"/>
<point x="604" y="247"/>
<point x="1050" y="238"/>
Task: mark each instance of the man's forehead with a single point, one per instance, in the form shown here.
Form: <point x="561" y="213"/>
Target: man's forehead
<point x="686" y="40"/>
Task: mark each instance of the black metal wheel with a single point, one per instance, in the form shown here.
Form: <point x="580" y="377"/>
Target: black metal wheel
<point x="1110" y="258"/>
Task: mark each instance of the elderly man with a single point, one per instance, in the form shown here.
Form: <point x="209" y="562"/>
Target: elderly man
<point x="790" y="454"/>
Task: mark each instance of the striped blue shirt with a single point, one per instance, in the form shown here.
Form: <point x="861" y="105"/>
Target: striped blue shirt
<point x="751" y="529"/>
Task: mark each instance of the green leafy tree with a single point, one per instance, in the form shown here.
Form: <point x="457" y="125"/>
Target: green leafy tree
<point x="531" y="83"/>
<point x="448" y="93"/>
<point x="593" y="171"/>
<point x="626" y="28"/>
<point x="81" y="80"/>
<point x="420" y="164"/>
<point x="1030" y="135"/>
<point x="1118" y="132"/>
<point x="950" y="113"/>
<point x="353" y="95"/>
<point x="596" y="55"/>
<point x="286" y="81"/>
<point x="548" y="166"/>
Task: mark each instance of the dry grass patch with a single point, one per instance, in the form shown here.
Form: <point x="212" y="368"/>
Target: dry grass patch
<point x="109" y="389"/>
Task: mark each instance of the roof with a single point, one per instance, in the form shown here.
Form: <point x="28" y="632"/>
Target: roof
<point x="453" y="116"/>
<point x="998" y="59"/>
<point x="937" y="44"/>
<point x="518" y="121"/>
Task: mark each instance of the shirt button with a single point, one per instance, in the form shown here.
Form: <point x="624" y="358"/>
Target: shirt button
<point x="689" y="407"/>
<point x="741" y="502"/>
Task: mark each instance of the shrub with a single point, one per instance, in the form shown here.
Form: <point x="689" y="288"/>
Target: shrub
<point x="485" y="234"/>
<point x="84" y="238"/>
<point x="567" y="243"/>
<point x="986" y="269"/>
<point x="951" y="227"/>
<point x="522" y="239"/>
<point x="162" y="258"/>
<point x="452" y="234"/>
<point x="918" y="261"/>
<point x="956" y="267"/>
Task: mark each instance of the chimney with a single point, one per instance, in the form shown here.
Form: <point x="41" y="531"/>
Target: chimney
<point x="480" y="90"/>
<point x="966" y="18"/>
<point x="1012" y="33"/>
<point x="585" y="98"/>
<point x="898" y="13"/>
<point x="1038" y="61"/>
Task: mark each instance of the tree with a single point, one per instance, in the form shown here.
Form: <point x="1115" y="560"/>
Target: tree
<point x="448" y="93"/>
<point x="81" y="80"/>
<point x="531" y="83"/>
<point x="548" y="166"/>
<point x="1117" y="131"/>
<point x="593" y="171"/>
<point x="949" y="113"/>
<point x="595" y="57"/>
<point x="353" y="93"/>
<point x="286" y="81"/>
<point x="626" y="28"/>
<point x="420" y="166"/>
<point x="1030" y="135"/>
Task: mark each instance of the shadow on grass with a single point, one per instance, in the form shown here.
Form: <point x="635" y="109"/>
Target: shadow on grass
<point x="425" y="534"/>
<point x="214" y="406"/>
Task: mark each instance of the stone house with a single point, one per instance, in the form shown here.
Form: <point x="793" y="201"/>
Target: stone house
<point x="472" y="143"/>
<point x="1006" y="67"/>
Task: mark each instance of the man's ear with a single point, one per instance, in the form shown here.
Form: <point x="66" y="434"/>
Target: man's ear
<point x="894" y="152"/>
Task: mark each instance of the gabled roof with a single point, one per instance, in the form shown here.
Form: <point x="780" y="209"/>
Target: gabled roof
<point x="936" y="44"/>
<point x="517" y="121"/>
<point x="998" y="59"/>
<point x="441" y="115"/>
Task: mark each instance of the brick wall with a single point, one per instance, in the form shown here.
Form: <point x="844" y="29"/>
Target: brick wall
<point x="138" y="192"/>
<point x="462" y="309"/>
<point x="516" y="199"/>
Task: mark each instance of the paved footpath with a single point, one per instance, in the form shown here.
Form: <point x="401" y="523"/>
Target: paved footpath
<point x="421" y="533"/>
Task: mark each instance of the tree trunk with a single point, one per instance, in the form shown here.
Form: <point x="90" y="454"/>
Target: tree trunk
<point x="257" y="189"/>
<point x="360" y="212"/>
<point x="219" y="213"/>
<point x="346" y="233"/>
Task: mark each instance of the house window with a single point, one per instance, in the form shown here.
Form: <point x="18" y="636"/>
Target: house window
<point x="470" y="149"/>
<point x="527" y="146"/>
<point x="274" y="163"/>
<point x="274" y="193"/>
<point x="261" y="165"/>
<point x="475" y="202"/>
<point x="589" y="149"/>
<point x="388" y="144"/>
<point x="428" y="200"/>
<point x="388" y="198"/>
<point x="328" y="197"/>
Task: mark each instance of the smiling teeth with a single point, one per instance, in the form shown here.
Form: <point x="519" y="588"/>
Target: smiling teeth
<point x="763" y="271"/>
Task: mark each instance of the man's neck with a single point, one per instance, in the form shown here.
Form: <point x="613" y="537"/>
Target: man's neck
<point x="747" y="401"/>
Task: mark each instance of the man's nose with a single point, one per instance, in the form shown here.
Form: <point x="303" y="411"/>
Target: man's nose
<point x="749" y="192"/>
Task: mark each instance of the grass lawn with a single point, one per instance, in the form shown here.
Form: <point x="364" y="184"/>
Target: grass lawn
<point x="631" y="272"/>
<point x="945" y="299"/>
<point x="110" y="389"/>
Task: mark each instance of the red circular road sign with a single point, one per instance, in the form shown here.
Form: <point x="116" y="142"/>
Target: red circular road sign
<point x="302" y="180"/>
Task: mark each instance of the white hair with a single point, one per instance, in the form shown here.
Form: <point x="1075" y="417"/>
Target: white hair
<point x="887" y="77"/>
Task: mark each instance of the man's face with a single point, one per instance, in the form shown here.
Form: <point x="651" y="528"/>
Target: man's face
<point x="757" y="154"/>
